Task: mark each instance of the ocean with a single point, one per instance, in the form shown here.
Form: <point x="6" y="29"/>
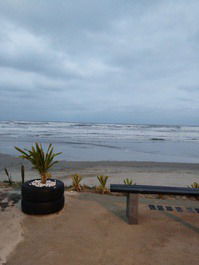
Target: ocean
<point x="111" y="142"/>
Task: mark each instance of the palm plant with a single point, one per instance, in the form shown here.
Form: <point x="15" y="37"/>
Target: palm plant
<point x="40" y="160"/>
<point x="9" y="176"/>
<point x="103" y="181"/>
<point x="128" y="181"/>
<point x="76" y="182"/>
<point x="195" y="185"/>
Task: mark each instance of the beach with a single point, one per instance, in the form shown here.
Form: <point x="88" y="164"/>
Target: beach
<point x="93" y="229"/>
<point x="102" y="216"/>
<point x="90" y="219"/>
<point x="157" y="173"/>
<point x="99" y="132"/>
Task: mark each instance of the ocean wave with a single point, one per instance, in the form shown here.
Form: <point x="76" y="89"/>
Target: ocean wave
<point x="92" y="132"/>
<point x="157" y="139"/>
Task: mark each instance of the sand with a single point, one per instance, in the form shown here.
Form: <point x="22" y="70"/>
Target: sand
<point x="11" y="232"/>
<point x="92" y="229"/>
<point x="169" y="174"/>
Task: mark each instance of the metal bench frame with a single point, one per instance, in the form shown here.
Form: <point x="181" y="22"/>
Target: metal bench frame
<point x="133" y="192"/>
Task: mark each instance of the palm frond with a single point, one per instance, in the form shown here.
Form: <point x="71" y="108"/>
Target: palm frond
<point x="195" y="185"/>
<point x="40" y="160"/>
<point x="76" y="179"/>
<point x="128" y="181"/>
<point x="102" y="181"/>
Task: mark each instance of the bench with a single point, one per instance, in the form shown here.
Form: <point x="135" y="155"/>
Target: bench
<point x="133" y="191"/>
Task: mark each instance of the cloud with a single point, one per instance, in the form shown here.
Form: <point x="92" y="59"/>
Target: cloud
<point x="192" y="89"/>
<point x="135" y="61"/>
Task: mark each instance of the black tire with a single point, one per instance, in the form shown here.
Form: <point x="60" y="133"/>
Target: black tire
<point x="45" y="194"/>
<point x="42" y="207"/>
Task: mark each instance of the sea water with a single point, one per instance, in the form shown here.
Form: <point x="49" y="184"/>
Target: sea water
<point x="114" y="142"/>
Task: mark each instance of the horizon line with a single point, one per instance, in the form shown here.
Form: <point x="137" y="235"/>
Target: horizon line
<point x="97" y="122"/>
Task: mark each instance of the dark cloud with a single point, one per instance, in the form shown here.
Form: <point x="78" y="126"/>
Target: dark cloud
<point x="130" y="61"/>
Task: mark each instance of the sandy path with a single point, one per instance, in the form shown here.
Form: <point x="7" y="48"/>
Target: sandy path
<point x="92" y="229"/>
<point x="11" y="232"/>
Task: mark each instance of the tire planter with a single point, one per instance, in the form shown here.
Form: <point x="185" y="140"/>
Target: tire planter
<point x="42" y="200"/>
<point x="42" y="207"/>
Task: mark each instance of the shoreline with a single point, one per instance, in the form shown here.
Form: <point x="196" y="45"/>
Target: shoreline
<point x="11" y="159"/>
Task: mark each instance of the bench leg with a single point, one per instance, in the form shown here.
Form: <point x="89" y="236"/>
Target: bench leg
<point x="132" y="208"/>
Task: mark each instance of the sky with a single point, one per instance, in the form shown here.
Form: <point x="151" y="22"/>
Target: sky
<point x="113" y="61"/>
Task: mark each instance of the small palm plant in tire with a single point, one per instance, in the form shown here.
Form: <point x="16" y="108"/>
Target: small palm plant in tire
<point x="44" y="195"/>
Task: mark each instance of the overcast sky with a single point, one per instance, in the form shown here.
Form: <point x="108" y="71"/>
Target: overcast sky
<point x="133" y="61"/>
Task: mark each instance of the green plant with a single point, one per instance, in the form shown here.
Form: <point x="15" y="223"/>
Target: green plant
<point x="9" y="176"/>
<point x="128" y="181"/>
<point x="195" y="185"/>
<point x="22" y="174"/>
<point x="76" y="179"/>
<point x="102" y="181"/>
<point x="40" y="160"/>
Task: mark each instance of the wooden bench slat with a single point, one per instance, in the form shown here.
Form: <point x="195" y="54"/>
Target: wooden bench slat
<point x="149" y="189"/>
